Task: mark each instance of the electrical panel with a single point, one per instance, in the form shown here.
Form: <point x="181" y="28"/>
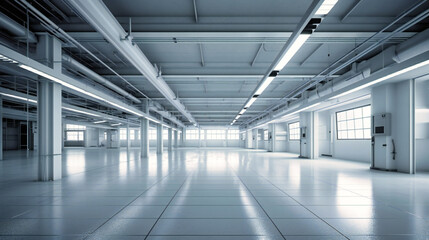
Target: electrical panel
<point x="381" y="124"/>
<point x="303" y="132"/>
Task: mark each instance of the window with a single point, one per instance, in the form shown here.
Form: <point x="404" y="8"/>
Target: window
<point x="164" y="134"/>
<point x="192" y="134"/>
<point x="123" y="134"/>
<point x="266" y="135"/>
<point x="75" y="127"/>
<point x="233" y="134"/>
<point x="152" y="134"/>
<point x="215" y="134"/>
<point x="138" y="134"/>
<point x="179" y="135"/>
<point x="105" y="135"/>
<point x="132" y="135"/>
<point x="294" y="131"/>
<point x="202" y="135"/>
<point x="354" y="123"/>
<point x="74" y="136"/>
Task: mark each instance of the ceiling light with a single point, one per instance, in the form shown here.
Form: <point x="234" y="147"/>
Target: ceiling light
<point x="242" y="111"/>
<point x="6" y="59"/>
<point x="102" y="121"/>
<point x="250" y="102"/>
<point x="326" y="7"/>
<point x="18" y="97"/>
<point x="291" y="51"/>
<point x="264" y="85"/>
<point x="116" y="124"/>
<point x="237" y="117"/>
<point x="79" y="111"/>
<point x="394" y="74"/>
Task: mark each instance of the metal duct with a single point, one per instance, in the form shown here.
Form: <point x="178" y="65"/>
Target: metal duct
<point x="98" y="15"/>
<point x="16" y="29"/>
<point x="68" y="60"/>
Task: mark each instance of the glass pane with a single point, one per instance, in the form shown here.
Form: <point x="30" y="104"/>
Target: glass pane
<point x="367" y="122"/>
<point x="351" y="134"/>
<point x="350" y="124"/>
<point x="342" y="126"/>
<point x="366" y="111"/>
<point x="359" y="134"/>
<point x="350" y="114"/>
<point x="341" y="116"/>
<point x="358" y="123"/>
<point x="367" y="133"/>
<point x="358" y="112"/>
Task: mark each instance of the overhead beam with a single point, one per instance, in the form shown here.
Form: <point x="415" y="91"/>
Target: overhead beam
<point x="351" y="9"/>
<point x="240" y="37"/>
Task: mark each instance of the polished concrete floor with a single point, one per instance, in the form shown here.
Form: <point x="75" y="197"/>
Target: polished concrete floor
<point x="209" y="194"/>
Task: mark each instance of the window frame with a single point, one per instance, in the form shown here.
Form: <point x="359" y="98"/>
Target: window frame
<point x="233" y="134"/>
<point x="299" y="131"/>
<point x="345" y="110"/>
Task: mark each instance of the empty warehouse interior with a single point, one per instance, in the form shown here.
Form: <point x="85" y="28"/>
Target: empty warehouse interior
<point x="198" y="119"/>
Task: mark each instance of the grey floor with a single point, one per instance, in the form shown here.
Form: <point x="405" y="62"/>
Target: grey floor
<point x="209" y="194"/>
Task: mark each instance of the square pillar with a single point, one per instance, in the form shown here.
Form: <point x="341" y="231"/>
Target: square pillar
<point x="176" y="140"/>
<point x="306" y="122"/>
<point x="159" y="138"/>
<point x="49" y="129"/>
<point x="128" y="136"/>
<point x="170" y="139"/>
<point x="1" y="128"/>
<point x="255" y="138"/>
<point x="144" y="131"/>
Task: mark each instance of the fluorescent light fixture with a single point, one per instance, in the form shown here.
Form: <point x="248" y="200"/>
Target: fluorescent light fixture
<point x="18" y="97"/>
<point x="6" y="59"/>
<point x="250" y="102"/>
<point x="291" y="51"/>
<point x="397" y="73"/>
<point x="264" y="85"/>
<point x="242" y="111"/>
<point x="326" y="7"/>
<point x="102" y="121"/>
<point x="237" y="117"/>
<point x="79" y="111"/>
<point x="116" y="124"/>
<point x="40" y="73"/>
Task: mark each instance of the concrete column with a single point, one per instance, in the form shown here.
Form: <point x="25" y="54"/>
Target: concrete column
<point x="1" y="128"/>
<point x="271" y="137"/>
<point x="128" y="136"/>
<point x="255" y="138"/>
<point x="176" y="140"/>
<point x="159" y="140"/>
<point x="49" y="112"/>
<point x="182" y="138"/>
<point x="170" y="139"/>
<point x="306" y="122"/>
<point x="144" y="131"/>
<point x="49" y="129"/>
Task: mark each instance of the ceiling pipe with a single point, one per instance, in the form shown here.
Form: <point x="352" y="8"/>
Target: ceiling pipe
<point x="69" y="61"/>
<point x="16" y="29"/>
<point x="365" y="69"/>
<point x="98" y="15"/>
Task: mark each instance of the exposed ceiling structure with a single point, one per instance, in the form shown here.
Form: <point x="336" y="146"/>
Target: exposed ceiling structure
<point x="205" y="58"/>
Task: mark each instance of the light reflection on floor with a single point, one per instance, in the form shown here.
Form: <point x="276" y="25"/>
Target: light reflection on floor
<point x="211" y="194"/>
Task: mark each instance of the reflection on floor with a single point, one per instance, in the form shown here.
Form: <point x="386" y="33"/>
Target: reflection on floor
<point x="209" y="194"/>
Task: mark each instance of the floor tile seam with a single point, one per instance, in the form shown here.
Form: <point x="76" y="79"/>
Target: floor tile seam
<point x="170" y="172"/>
<point x="268" y="216"/>
<point x="168" y="204"/>
<point x="301" y="204"/>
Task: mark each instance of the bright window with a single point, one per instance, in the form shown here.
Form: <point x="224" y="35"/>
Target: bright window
<point x="192" y="134"/>
<point x="202" y="134"/>
<point x="105" y="135"/>
<point x="74" y="136"/>
<point x="233" y="134"/>
<point x="132" y="135"/>
<point x="266" y="135"/>
<point x="215" y="134"/>
<point x="294" y="131"/>
<point x="75" y="127"/>
<point x="123" y="134"/>
<point x="152" y="134"/>
<point x="164" y="134"/>
<point x="354" y="123"/>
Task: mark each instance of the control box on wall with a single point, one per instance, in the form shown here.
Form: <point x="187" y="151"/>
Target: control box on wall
<point x="381" y="124"/>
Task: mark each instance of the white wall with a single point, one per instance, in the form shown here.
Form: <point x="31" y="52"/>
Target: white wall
<point x="422" y="126"/>
<point x="356" y="150"/>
